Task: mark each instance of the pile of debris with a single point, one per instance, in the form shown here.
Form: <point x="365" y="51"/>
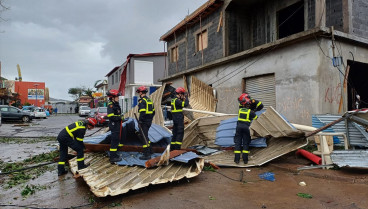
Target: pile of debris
<point x="208" y="138"/>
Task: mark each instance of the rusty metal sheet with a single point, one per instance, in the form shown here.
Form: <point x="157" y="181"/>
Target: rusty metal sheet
<point x="105" y="179"/>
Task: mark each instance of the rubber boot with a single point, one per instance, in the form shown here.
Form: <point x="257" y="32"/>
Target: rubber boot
<point x="237" y="158"/>
<point x="81" y="165"/>
<point x="146" y="154"/>
<point x="61" y="170"/>
<point x="173" y="147"/>
<point x="114" y="157"/>
<point x="245" y="158"/>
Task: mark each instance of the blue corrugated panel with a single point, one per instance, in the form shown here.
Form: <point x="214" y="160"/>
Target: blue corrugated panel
<point x="135" y="101"/>
<point x="204" y="150"/>
<point x="132" y="158"/>
<point x="186" y="157"/>
<point x="158" y="135"/>
<point x="225" y="133"/>
<point x="317" y="123"/>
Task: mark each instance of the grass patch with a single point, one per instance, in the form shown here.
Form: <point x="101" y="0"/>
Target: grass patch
<point x="9" y="140"/>
<point x="311" y="147"/>
<point x="304" y="195"/>
<point x="31" y="189"/>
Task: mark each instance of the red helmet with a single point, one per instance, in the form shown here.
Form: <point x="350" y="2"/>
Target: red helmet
<point x="180" y="90"/>
<point x="113" y="93"/>
<point x="91" y="121"/>
<point x="142" y="89"/>
<point x="244" y="99"/>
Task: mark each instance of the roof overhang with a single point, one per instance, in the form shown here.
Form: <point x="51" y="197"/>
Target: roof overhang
<point x="203" y="11"/>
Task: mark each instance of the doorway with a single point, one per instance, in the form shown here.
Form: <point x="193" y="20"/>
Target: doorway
<point x="357" y="85"/>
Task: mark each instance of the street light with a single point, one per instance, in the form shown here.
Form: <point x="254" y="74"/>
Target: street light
<point x="36" y="91"/>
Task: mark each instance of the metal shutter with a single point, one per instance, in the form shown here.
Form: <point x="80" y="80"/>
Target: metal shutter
<point x="262" y="88"/>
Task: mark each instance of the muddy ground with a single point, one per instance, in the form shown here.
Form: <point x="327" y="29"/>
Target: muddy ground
<point x="226" y="188"/>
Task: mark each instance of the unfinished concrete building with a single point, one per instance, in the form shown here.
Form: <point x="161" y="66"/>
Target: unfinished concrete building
<point x="290" y="54"/>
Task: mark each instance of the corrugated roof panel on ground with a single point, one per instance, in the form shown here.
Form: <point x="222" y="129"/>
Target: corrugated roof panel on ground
<point x="105" y="179"/>
<point x="350" y="158"/>
<point x="356" y="133"/>
<point x="186" y="157"/>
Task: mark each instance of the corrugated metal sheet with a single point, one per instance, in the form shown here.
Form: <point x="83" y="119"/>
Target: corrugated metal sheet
<point x="276" y="147"/>
<point x="203" y="131"/>
<point x="156" y="97"/>
<point x="356" y="133"/>
<point x="262" y="88"/>
<point x="201" y="98"/>
<point x="272" y="124"/>
<point x="105" y="179"/>
<point x="350" y="158"/>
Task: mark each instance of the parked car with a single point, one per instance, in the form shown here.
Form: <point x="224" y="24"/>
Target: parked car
<point x="101" y="116"/>
<point x="13" y="113"/>
<point x="39" y="113"/>
<point x="0" y="118"/>
<point x="92" y="113"/>
<point x="29" y="109"/>
<point x="84" y="111"/>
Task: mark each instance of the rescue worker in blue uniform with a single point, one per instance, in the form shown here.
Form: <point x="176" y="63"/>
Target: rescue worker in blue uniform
<point x="115" y="120"/>
<point x="255" y="105"/>
<point x="177" y="105"/>
<point x="72" y="136"/>
<point x="146" y="111"/>
<point x="242" y="135"/>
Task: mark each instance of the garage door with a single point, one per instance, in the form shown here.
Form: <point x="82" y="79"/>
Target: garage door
<point x="262" y="88"/>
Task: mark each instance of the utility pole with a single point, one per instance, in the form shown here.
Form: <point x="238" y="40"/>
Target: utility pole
<point x="36" y="92"/>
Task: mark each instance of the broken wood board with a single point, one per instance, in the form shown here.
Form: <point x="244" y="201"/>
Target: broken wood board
<point x="105" y="178"/>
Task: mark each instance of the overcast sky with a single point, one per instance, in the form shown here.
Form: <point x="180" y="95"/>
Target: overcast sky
<point x="73" y="43"/>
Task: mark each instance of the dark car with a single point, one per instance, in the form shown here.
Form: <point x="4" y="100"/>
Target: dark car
<point x="13" y="113"/>
<point x="101" y="116"/>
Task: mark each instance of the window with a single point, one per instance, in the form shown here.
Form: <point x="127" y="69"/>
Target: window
<point x="202" y="40"/>
<point x="112" y="80"/>
<point x="291" y="20"/>
<point x="175" y="54"/>
<point x="116" y="77"/>
<point x="11" y="109"/>
<point x="4" y="109"/>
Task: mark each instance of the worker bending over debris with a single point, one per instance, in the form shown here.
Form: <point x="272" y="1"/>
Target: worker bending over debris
<point x="177" y="106"/>
<point x="242" y="134"/>
<point x="72" y="136"/>
<point x="146" y="111"/>
<point x="255" y="105"/>
<point x="115" y="123"/>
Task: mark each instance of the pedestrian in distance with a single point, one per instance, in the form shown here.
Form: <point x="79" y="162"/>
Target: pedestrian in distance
<point x="146" y="111"/>
<point x="115" y="123"/>
<point x="72" y="136"/>
<point x="177" y="105"/>
<point x="71" y="109"/>
<point x="242" y="135"/>
<point x="55" y="110"/>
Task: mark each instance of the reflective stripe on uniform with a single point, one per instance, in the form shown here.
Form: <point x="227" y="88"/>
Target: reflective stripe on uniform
<point x="237" y="152"/>
<point x="148" y="104"/>
<point x="112" y="114"/>
<point x="174" y="106"/>
<point x="176" y="143"/>
<point x="79" y="139"/>
<point x="61" y="163"/>
<point x="80" y="159"/>
<point x="259" y="103"/>
<point x="77" y="126"/>
<point x="113" y="150"/>
<point x="120" y="145"/>
<point x="242" y="113"/>
<point x="245" y="151"/>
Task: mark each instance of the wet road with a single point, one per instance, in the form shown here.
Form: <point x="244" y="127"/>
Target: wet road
<point x="49" y="127"/>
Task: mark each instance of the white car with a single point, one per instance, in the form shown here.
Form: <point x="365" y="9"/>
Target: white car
<point x="84" y="111"/>
<point x="39" y="113"/>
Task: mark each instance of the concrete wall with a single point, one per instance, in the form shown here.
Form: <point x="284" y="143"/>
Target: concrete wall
<point x="188" y="57"/>
<point x="306" y="83"/>
<point x="359" y="18"/>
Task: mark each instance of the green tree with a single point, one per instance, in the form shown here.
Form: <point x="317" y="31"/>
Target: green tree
<point x="89" y="92"/>
<point x="76" y="92"/>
